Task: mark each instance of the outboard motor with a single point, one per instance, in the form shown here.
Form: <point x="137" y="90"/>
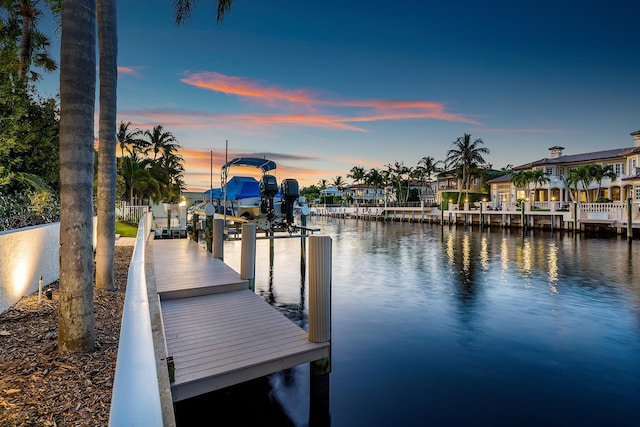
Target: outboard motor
<point x="268" y="186"/>
<point x="268" y="189"/>
<point x="290" y="193"/>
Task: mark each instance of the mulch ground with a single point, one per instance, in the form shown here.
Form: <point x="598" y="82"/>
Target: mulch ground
<point x="40" y="386"/>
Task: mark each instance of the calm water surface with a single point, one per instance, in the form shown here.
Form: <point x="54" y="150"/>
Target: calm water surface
<point x="453" y="326"/>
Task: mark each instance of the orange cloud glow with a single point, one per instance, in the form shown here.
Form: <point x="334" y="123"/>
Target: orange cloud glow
<point x="385" y="109"/>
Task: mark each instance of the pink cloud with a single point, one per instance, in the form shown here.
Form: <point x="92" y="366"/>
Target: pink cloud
<point x="385" y="109"/>
<point x="132" y="71"/>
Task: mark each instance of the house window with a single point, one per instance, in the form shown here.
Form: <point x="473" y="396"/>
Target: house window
<point x="618" y="169"/>
<point x="633" y="167"/>
<point x="560" y="171"/>
<point x="637" y="192"/>
<point x="549" y="171"/>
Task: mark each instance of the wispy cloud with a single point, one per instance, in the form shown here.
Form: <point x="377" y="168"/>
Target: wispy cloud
<point x="131" y="71"/>
<point x="374" y="109"/>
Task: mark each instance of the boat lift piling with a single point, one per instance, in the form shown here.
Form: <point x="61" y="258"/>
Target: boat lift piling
<point x="248" y="254"/>
<point x="319" y="327"/>
<point x="218" y="238"/>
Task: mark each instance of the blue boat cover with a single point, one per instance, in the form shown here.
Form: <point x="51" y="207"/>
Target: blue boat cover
<point x="238" y="187"/>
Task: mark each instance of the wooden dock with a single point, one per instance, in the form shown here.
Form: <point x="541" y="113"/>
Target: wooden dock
<point x="218" y="332"/>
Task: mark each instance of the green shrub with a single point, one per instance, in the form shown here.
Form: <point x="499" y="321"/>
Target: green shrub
<point x="27" y="209"/>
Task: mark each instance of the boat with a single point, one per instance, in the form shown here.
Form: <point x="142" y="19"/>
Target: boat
<point x="270" y="206"/>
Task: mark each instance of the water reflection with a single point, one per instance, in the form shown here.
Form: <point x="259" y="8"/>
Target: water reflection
<point x="426" y="316"/>
<point x="553" y="267"/>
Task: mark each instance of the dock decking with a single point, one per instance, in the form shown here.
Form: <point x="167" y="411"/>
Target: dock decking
<point x="219" y="332"/>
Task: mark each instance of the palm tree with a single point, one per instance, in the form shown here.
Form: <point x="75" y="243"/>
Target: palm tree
<point x="23" y="16"/>
<point x="339" y="183"/>
<point x="127" y="137"/>
<point x="580" y="175"/>
<point x="521" y="179"/>
<point x="160" y="140"/>
<point x="183" y="9"/>
<point x="465" y="156"/>
<point x="357" y="174"/>
<point x="77" y="99"/>
<point x="537" y="177"/>
<point x="373" y="177"/>
<point x="322" y="186"/>
<point x="599" y="172"/>
<point x="429" y="168"/>
<point x="395" y="175"/>
<point x="107" y="169"/>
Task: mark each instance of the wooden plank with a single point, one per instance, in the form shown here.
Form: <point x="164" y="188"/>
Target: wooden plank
<point x="224" y="339"/>
<point x="183" y="269"/>
<point x="218" y="332"/>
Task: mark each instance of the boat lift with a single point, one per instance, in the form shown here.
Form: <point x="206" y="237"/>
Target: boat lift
<point x="271" y="207"/>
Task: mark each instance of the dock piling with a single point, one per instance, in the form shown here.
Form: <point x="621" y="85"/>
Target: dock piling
<point x="629" y="221"/>
<point x="319" y="327"/>
<point x="248" y="254"/>
<point x="218" y="238"/>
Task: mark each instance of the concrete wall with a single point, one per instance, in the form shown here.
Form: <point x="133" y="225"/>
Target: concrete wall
<point x="25" y="255"/>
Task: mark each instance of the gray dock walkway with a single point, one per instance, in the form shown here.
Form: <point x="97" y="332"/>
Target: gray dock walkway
<point x="219" y="332"/>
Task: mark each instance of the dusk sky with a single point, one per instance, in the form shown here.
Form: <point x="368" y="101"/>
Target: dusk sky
<point x="321" y="87"/>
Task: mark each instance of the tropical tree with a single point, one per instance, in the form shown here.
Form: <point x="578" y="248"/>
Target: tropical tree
<point x="464" y="156"/>
<point x="395" y="177"/>
<point x="537" y="177"/>
<point x="127" y="138"/>
<point x="160" y="140"/>
<point x="21" y="21"/>
<point x="373" y="177"/>
<point x="322" y="187"/>
<point x="184" y="9"/>
<point x="428" y="168"/>
<point x="599" y="172"/>
<point x="107" y="168"/>
<point x="356" y="174"/>
<point x="77" y="100"/>
<point x="339" y="183"/>
<point x="408" y="171"/>
<point x="520" y="179"/>
<point x="171" y="164"/>
<point x="580" y="175"/>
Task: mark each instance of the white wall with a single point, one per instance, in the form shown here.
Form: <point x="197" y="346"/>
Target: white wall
<point x="25" y="255"/>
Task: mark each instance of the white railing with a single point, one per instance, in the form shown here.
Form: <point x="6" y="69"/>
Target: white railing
<point x="602" y="207"/>
<point x="132" y="214"/>
<point x="135" y="400"/>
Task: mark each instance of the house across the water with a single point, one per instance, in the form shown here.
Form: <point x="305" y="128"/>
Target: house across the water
<point x="556" y="188"/>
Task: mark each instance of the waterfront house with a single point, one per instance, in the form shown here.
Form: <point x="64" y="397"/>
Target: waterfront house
<point x="330" y="193"/>
<point x="362" y="193"/>
<point x="625" y="163"/>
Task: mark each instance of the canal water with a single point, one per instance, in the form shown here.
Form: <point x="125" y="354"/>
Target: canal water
<point x="456" y="326"/>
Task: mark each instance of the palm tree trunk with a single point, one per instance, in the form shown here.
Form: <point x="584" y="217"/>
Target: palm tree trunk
<point x="108" y="44"/>
<point x="461" y="189"/>
<point x="26" y="10"/>
<point x="77" y="99"/>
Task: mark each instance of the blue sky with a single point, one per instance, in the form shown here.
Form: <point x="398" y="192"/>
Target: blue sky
<point x="321" y="87"/>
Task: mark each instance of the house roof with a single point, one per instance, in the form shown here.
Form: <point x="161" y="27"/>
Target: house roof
<point x="579" y="158"/>
<point x="502" y="178"/>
